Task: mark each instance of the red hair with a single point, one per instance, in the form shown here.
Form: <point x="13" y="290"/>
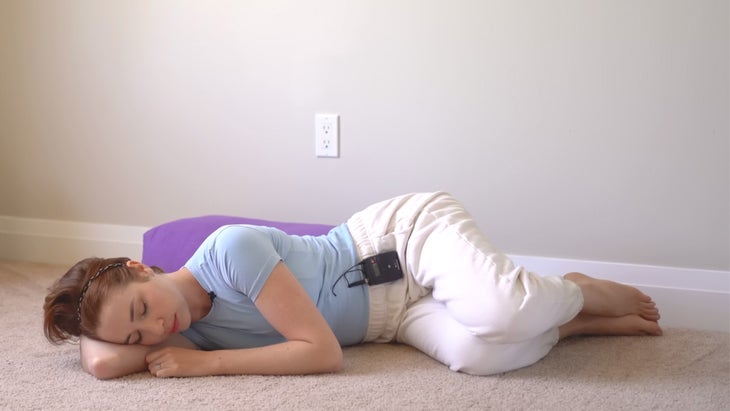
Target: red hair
<point x="63" y="318"/>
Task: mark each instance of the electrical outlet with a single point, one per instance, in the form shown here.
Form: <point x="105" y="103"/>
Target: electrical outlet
<point x="327" y="135"/>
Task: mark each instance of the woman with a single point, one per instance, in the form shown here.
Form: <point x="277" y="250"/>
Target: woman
<point x="253" y="300"/>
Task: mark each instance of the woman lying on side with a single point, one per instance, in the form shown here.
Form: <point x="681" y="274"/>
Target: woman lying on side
<point x="254" y="300"/>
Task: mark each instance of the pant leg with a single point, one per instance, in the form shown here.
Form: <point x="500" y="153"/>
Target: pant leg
<point x="480" y="286"/>
<point x="429" y="327"/>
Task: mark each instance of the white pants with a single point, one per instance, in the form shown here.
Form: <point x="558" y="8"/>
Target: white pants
<point x="461" y="302"/>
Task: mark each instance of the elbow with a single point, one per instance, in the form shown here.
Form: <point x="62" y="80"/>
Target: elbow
<point x="103" y="367"/>
<point x="335" y="361"/>
<point x="99" y="368"/>
<point x="337" y="365"/>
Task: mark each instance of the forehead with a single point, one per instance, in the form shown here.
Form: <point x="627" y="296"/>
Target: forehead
<point x="114" y="314"/>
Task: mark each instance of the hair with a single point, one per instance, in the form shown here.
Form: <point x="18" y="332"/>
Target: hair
<point x="63" y="318"/>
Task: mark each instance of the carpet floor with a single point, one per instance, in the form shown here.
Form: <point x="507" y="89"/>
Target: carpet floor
<point x="683" y="370"/>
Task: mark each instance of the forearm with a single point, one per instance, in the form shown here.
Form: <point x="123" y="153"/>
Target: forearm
<point x="288" y="358"/>
<point x="106" y="360"/>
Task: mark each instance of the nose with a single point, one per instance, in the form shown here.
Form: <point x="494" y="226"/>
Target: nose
<point x="155" y="327"/>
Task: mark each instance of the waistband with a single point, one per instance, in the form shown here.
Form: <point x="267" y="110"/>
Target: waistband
<point x="387" y="226"/>
<point x="387" y="302"/>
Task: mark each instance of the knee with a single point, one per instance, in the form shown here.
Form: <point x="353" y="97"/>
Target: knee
<point x="471" y="356"/>
<point x="478" y="357"/>
<point x="510" y="325"/>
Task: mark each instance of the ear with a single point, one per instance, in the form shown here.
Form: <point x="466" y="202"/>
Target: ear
<point x="140" y="267"/>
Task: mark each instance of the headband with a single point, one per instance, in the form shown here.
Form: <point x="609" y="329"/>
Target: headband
<point x="88" y="283"/>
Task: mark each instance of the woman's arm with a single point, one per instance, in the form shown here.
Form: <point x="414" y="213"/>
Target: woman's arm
<point x="311" y="346"/>
<point x="105" y="360"/>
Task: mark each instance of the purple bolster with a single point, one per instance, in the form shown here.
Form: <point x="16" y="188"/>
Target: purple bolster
<point x="170" y="245"/>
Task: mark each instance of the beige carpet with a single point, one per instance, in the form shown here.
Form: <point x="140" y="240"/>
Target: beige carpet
<point x="683" y="370"/>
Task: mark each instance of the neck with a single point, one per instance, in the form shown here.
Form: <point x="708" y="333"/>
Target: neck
<point x="198" y="299"/>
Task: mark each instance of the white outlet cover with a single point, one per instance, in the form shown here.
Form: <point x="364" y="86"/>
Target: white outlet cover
<point x="327" y="135"/>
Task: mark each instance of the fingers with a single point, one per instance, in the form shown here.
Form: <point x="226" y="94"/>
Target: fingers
<point x="155" y="368"/>
<point x="172" y="362"/>
<point x="154" y="356"/>
<point x="156" y="363"/>
<point x="162" y="369"/>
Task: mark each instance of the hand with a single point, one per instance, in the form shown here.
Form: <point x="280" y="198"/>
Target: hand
<point x="177" y="362"/>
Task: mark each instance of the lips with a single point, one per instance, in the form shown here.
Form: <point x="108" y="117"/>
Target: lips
<point x="175" y="325"/>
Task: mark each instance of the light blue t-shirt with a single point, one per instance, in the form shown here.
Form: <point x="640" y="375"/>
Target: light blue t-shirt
<point x="235" y="261"/>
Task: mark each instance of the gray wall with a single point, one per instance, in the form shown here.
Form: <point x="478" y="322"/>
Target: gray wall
<point x="578" y="129"/>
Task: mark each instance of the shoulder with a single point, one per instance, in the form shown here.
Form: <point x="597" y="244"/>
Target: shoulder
<point x="238" y="235"/>
<point x="243" y="246"/>
<point x="233" y="246"/>
<point x="245" y="256"/>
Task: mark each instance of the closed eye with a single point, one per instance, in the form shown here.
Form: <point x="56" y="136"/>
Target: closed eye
<point x="142" y="315"/>
<point x="138" y="338"/>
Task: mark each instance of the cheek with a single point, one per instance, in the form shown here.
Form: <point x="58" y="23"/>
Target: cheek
<point x="163" y="301"/>
<point x="152" y="341"/>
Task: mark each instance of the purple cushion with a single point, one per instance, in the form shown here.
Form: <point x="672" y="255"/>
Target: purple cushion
<point x="170" y="245"/>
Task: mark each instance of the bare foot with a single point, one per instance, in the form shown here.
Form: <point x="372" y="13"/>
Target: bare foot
<point x="610" y="299"/>
<point x="587" y="324"/>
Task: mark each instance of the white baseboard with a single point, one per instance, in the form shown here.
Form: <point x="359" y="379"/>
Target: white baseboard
<point x="66" y="242"/>
<point x="687" y="297"/>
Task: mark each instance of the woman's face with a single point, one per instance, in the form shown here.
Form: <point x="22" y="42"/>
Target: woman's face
<point x="143" y="312"/>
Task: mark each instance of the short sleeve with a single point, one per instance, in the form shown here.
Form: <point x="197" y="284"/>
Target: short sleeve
<point x="245" y="257"/>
